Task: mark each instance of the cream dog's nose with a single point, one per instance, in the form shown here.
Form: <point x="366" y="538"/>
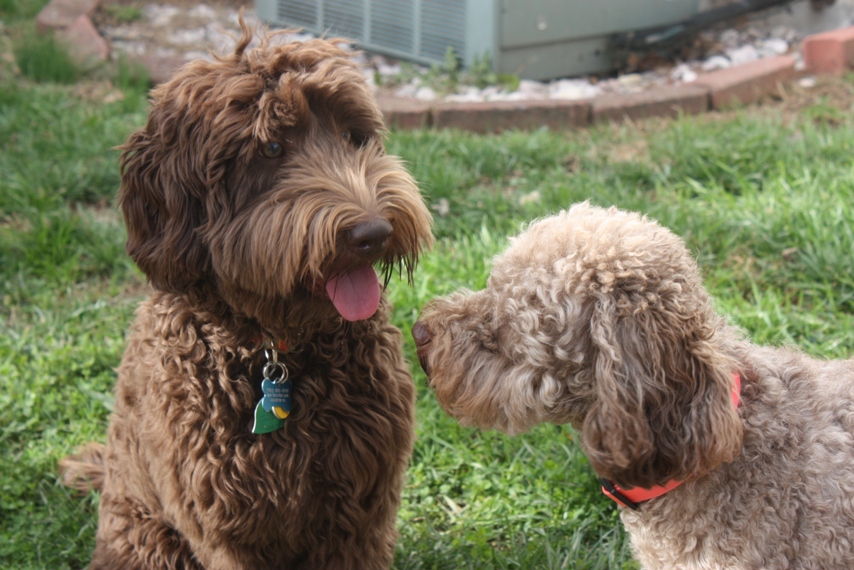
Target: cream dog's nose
<point x="420" y="334"/>
<point x="422" y="342"/>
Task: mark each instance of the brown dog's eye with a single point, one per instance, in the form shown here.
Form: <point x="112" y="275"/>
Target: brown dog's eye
<point x="272" y="150"/>
<point x="355" y="137"/>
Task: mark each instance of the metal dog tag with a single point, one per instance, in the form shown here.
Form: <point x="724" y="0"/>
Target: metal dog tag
<point x="276" y="395"/>
<point x="265" y="422"/>
<point x="275" y="406"/>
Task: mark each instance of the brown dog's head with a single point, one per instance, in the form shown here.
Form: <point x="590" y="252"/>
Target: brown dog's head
<point x="263" y="175"/>
<point x="597" y="318"/>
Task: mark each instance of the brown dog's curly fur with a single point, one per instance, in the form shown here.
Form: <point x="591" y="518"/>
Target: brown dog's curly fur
<point x="599" y="318"/>
<point x="259" y="180"/>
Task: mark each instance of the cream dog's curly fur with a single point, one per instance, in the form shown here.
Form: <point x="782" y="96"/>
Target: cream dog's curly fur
<point x="258" y="198"/>
<point x="599" y="318"/>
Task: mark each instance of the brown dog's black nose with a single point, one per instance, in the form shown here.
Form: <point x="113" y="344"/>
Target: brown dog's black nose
<point x="422" y="341"/>
<point x="369" y="238"/>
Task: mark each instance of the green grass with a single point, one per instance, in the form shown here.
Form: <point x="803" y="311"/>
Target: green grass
<point x="762" y="197"/>
<point x="42" y="58"/>
<point x="18" y="10"/>
<point x="39" y="57"/>
<point x="123" y="13"/>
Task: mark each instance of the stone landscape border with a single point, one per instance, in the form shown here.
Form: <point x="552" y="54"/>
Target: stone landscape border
<point x="826" y="53"/>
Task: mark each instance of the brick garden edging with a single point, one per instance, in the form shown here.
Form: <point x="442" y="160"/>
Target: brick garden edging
<point x="747" y="83"/>
<point x="716" y="90"/>
<point x="668" y="101"/>
<point x="829" y="52"/>
<point x="495" y="116"/>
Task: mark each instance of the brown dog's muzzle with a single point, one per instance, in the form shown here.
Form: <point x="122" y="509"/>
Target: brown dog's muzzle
<point x="422" y="343"/>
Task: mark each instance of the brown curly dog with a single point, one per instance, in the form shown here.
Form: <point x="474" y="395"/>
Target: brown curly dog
<point x="257" y="199"/>
<point x="723" y="454"/>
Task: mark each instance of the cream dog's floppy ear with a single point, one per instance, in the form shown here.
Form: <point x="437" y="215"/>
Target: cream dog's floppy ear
<point x="664" y="405"/>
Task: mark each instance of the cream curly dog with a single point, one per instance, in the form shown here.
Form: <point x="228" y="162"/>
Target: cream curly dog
<point x="599" y="318"/>
<point x="257" y="199"/>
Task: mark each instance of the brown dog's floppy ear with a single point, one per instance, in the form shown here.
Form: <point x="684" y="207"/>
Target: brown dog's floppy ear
<point x="160" y="197"/>
<point x="663" y="406"/>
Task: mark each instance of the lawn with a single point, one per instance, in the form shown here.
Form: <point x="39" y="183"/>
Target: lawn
<point x="762" y="195"/>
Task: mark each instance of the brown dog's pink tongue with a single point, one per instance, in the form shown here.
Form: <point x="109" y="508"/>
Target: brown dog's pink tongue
<point x="356" y="294"/>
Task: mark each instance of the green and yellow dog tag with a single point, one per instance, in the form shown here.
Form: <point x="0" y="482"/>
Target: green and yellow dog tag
<point x="275" y="406"/>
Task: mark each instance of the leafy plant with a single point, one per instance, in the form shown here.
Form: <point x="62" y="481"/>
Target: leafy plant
<point x="451" y="75"/>
<point x="482" y="74"/>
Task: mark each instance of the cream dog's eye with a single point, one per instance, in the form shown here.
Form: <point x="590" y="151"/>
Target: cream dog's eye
<point x="346" y="135"/>
<point x="272" y="150"/>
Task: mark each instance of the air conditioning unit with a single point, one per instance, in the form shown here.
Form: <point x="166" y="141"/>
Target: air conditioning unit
<point x="536" y="39"/>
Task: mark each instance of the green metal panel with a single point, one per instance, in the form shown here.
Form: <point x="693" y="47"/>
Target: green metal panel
<point x="266" y="11"/>
<point x="482" y="29"/>
<point x="559" y="59"/>
<point x="527" y="22"/>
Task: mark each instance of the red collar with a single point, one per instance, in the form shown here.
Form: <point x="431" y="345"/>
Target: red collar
<point x="279" y="344"/>
<point x="632" y="497"/>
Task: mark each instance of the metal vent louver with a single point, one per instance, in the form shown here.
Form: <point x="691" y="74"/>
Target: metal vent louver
<point x="393" y="24"/>
<point x="443" y="24"/>
<point x="302" y="13"/>
<point x="419" y="30"/>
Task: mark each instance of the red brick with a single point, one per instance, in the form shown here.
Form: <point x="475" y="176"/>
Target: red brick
<point x="84" y="42"/>
<point x="403" y="113"/>
<point x="505" y="115"/>
<point x="59" y="14"/>
<point x="829" y="52"/>
<point x="748" y="82"/>
<point x="669" y="101"/>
